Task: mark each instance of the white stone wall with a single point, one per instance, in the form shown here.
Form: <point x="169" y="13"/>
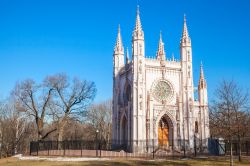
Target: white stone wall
<point x="144" y="111"/>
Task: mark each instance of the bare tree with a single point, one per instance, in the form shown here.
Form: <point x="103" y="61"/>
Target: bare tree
<point x="228" y="113"/>
<point x="33" y="99"/>
<point x="70" y="100"/>
<point x="75" y="130"/>
<point x="99" y="116"/>
<point x="13" y="127"/>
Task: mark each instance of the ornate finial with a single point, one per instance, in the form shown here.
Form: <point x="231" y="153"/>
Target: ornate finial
<point x="161" y="52"/>
<point x="172" y="56"/>
<point x="119" y="29"/>
<point x="161" y="36"/>
<point x="138" y="10"/>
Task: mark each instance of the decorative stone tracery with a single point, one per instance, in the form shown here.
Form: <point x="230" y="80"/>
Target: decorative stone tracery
<point x="149" y="89"/>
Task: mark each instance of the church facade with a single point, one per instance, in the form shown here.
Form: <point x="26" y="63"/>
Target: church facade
<point x="154" y="104"/>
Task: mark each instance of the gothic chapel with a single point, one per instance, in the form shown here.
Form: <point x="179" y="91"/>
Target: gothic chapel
<point x="153" y="98"/>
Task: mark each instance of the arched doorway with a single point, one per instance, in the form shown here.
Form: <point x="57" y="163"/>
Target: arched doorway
<point x="165" y="129"/>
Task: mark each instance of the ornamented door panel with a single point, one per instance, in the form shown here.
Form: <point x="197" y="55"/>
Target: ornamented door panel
<point x="163" y="136"/>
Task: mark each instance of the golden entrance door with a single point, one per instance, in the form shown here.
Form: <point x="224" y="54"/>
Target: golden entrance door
<point x="163" y="135"/>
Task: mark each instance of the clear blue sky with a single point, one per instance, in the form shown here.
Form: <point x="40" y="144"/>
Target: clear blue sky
<point x="77" y="37"/>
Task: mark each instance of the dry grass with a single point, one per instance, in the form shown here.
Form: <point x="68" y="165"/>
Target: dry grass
<point x="119" y="162"/>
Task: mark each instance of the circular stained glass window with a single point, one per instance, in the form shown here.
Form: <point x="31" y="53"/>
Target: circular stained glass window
<point x="162" y="90"/>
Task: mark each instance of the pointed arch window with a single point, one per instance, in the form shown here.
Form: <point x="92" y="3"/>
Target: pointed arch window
<point x="196" y="129"/>
<point x="127" y="94"/>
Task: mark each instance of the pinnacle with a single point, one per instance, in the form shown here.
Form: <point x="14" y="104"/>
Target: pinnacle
<point x="185" y="30"/>
<point x="119" y="45"/>
<point x="119" y="29"/>
<point x="202" y="81"/>
<point x="161" y="51"/>
<point x="138" y="26"/>
<point x="185" y="39"/>
<point x="201" y="72"/>
<point x="160" y="38"/>
<point x="138" y="32"/>
<point x="138" y="10"/>
<point x="173" y="57"/>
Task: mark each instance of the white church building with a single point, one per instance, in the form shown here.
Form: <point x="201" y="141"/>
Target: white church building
<point x="154" y="102"/>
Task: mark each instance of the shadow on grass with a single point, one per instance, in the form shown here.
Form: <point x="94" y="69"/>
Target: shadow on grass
<point x="187" y="162"/>
<point x="218" y="161"/>
<point x="109" y="163"/>
<point x="138" y="162"/>
<point x="162" y="163"/>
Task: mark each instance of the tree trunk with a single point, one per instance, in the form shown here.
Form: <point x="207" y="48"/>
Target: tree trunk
<point x="16" y="139"/>
<point x="60" y="134"/>
<point x="39" y="124"/>
<point x="1" y="145"/>
<point x="231" y="153"/>
<point x="61" y="130"/>
<point x="39" y="134"/>
<point x="108" y="133"/>
<point x="239" y="142"/>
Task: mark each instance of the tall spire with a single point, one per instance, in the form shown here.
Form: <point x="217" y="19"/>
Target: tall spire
<point x="119" y="46"/>
<point x="127" y="56"/>
<point x="138" y="32"/>
<point x="201" y="71"/>
<point x="138" y="26"/>
<point x="185" y="30"/>
<point x="161" y="52"/>
<point x="185" y="39"/>
<point x="202" y="81"/>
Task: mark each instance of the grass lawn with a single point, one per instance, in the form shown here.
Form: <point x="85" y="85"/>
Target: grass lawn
<point x="121" y="162"/>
